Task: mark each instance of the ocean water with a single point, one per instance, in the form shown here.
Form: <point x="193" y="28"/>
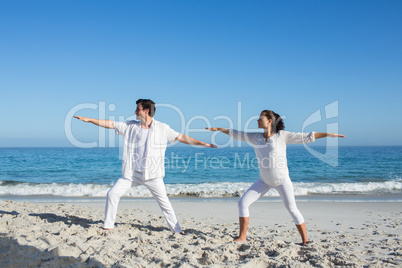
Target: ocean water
<point x="198" y="172"/>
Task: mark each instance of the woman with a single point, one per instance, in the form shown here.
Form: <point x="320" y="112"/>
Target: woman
<point x="270" y="149"/>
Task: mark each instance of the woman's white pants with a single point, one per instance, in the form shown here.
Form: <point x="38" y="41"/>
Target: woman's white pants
<point x="259" y="188"/>
<point x="157" y="189"/>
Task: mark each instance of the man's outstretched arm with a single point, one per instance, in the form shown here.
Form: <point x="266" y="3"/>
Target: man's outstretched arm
<point x="188" y="140"/>
<point x="98" y="122"/>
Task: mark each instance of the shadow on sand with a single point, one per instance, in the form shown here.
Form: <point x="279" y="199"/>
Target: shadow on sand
<point x="68" y="219"/>
<point x="14" y="255"/>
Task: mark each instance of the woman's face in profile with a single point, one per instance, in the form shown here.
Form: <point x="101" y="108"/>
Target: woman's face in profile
<point x="263" y="121"/>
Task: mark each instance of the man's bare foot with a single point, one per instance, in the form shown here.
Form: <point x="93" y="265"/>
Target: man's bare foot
<point x="182" y="233"/>
<point x="239" y="239"/>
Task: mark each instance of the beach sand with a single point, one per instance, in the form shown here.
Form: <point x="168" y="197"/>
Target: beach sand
<point x="353" y="234"/>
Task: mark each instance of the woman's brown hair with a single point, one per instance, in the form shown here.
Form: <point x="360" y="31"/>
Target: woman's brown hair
<point x="277" y="122"/>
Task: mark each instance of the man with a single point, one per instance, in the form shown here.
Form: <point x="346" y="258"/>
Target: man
<point x="144" y="149"/>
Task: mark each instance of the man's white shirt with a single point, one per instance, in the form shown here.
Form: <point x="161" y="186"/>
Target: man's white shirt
<point x="144" y="150"/>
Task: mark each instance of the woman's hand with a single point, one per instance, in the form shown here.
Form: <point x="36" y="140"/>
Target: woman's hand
<point x="221" y="129"/>
<point x="334" y="135"/>
<point x="213" y="128"/>
<point x="329" y="135"/>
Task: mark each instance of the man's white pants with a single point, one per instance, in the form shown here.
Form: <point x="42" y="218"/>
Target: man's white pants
<point x="155" y="186"/>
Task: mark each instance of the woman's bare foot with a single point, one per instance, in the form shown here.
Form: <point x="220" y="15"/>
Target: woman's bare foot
<point x="303" y="232"/>
<point x="107" y="229"/>
<point x="304" y="243"/>
<point x="239" y="239"/>
<point x="243" y="222"/>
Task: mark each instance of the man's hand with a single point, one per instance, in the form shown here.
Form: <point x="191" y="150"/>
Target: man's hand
<point x="101" y="123"/>
<point x="209" y="145"/>
<point x="82" y="118"/>
<point x="188" y="140"/>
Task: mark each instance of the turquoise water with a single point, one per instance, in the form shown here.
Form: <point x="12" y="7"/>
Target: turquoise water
<point x="201" y="172"/>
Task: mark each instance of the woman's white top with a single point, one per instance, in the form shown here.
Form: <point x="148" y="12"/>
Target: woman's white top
<point x="271" y="154"/>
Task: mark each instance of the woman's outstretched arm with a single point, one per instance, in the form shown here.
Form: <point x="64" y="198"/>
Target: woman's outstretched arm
<point x="223" y="130"/>
<point x="329" y="135"/>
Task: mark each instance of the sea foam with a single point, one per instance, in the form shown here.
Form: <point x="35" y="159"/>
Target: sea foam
<point x="205" y="190"/>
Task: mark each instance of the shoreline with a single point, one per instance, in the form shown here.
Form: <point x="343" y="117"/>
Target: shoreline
<point x="299" y="198"/>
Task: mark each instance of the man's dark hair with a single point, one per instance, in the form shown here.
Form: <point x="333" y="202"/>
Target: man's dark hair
<point x="147" y="104"/>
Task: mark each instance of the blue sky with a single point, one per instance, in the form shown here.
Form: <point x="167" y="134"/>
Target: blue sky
<point x="204" y="57"/>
